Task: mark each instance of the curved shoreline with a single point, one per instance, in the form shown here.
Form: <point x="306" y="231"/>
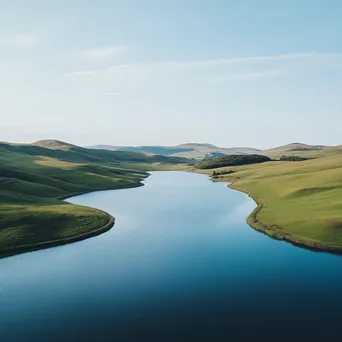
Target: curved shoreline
<point x="302" y="242"/>
<point x="7" y="252"/>
<point x="15" y="250"/>
<point x="252" y="221"/>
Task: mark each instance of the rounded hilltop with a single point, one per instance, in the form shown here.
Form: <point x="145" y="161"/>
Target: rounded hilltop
<point x="53" y="144"/>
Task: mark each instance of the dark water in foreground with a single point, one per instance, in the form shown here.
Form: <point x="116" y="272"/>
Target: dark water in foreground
<point x="180" y="264"/>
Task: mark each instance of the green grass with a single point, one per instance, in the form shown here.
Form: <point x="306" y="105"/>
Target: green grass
<point x="34" y="180"/>
<point x="299" y="202"/>
<point x="22" y="225"/>
<point x="295" y="149"/>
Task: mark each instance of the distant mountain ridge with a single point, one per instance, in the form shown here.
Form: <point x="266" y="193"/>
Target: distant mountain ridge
<point x="187" y="150"/>
<point x="205" y="150"/>
<point x="170" y="154"/>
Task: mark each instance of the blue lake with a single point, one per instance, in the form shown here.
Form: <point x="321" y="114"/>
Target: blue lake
<point x="180" y="264"/>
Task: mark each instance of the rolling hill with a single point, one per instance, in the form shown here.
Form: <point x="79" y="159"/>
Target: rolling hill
<point x="200" y="151"/>
<point x="297" y="149"/>
<point x="299" y="202"/>
<point x="35" y="178"/>
<point x="189" y="150"/>
<point x="72" y="153"/>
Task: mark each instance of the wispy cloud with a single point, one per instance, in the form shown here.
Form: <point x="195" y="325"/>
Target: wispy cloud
<point x="19" y="39"/>
<point x="133" y="77"/>
<point x="198" y="64"/>
<point x="104" y="52"/>
<point x="239" y="60"/>
<point x="251" y="75"/>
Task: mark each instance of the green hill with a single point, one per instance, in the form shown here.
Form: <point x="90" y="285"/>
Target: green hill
<point x="298" y="149"/>
<point x="189" y="150"/>
<point x="35" y="178"/>
<point x="298" y="201"/>
<point x="72" y="153"/>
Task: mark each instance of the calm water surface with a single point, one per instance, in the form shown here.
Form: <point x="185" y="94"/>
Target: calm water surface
<point x="180" y="264"/>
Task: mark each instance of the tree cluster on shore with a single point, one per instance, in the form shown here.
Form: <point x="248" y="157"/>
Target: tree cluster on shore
<point x="221" y="173"/>
<point x="232" y="160"/>
<point x="292" y="158"/>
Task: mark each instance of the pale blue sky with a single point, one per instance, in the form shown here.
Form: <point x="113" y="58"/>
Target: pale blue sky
<point x="133" y="72"/>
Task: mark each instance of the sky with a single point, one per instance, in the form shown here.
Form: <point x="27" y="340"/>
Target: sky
<point x="155" y="72"/>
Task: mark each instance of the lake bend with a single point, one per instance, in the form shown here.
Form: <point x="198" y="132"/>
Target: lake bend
<point x="180" y="264"/>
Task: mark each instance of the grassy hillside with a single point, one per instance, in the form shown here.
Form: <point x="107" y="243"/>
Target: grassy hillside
<point x="71" y="153"/>
<point x="199" y="151"/>
<point x="300" y="202"/>
<point x="35" y="178"/>
<point x="232" y="160"/>
<point x="328" y="152"/>
<point x="294" y="149"/>
<point x="190" y="150"/>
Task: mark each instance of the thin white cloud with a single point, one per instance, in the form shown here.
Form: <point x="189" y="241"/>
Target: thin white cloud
<point x="252" y="75"/>
<point x="104" y="52"/>
<point x="198" y="64"/>
<point x="240" y="60"/>
<point x="19" y="39"/>
<point x="136" y="77"/>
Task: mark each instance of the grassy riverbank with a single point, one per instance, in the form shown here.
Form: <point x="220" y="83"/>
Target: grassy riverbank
<point x="300" y="202"/>
<point x="34" y="180"/>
